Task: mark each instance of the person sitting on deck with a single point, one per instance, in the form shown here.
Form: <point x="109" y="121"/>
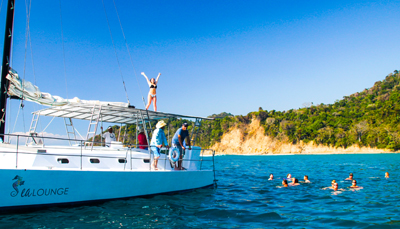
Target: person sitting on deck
<point x="142" y="139"/>
<point x="157" y="141"/>
<point x="177" y="141"/>
<point x="108" y="136"/>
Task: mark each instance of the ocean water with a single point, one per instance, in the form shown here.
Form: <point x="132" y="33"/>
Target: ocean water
<point x="244" y="198"/>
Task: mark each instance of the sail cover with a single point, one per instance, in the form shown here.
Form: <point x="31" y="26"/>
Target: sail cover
<point x="27" y="91"/>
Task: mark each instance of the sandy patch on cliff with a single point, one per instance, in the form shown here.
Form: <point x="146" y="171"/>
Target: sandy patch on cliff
<point x="253" y="141"/>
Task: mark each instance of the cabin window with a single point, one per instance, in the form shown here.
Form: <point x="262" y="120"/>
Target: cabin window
<point x="63" y="160"/>
<point x="146" y="160"/>
<point x="121" y="160"/>
<point x="94" y="160"/>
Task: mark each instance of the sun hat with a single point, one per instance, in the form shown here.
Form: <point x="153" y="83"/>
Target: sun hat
<point x="160" y="124"/>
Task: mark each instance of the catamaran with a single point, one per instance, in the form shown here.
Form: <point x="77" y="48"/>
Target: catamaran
<point x="40" y="171"/>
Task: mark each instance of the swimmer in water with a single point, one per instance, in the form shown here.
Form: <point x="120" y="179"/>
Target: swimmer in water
<point x="295" y="182"/>
<point x="285" y="184"/>
<point x="289" y="176"/>
<point x="336" y="189"/>
<point x="386" y="175"/>
<point x="350" y="177"/>
<point x="271" y="176"/>
<point x="332" y="185"/>
<point x="354" y="185"/>
<point x="306" y="180"/>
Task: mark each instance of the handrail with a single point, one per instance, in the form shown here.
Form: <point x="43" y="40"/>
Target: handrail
<point x="92" y="154"/>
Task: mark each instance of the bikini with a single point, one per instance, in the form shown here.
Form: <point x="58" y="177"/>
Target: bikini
<point x="155" y="87"/>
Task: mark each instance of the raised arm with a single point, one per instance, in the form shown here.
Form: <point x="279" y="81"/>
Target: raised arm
<point x="159" y="74"/>
<point x="147" y="79"/>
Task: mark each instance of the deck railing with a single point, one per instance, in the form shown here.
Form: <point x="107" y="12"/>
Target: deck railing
<point x="205" y="162"/>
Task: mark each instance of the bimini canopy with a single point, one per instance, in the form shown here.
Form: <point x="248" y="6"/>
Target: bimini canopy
<point x="111" y="112"/>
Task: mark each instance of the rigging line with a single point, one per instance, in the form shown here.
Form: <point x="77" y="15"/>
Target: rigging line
<point x="115" y="51"/>
<point x="28" y="13"/>
<point x="127" y="47"/>
<point x="62" y="41"/>
<point x="16" y="119"/>
<point x="33" y="66"/>
<point x="48" y="125"/>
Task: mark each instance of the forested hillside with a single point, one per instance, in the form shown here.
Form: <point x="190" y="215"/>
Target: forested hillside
<point x="368" y="118"/>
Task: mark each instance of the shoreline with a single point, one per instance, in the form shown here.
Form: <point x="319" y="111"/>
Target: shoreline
<point x="293" y="154"/>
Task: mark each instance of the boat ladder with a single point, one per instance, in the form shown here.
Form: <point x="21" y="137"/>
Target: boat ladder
<point x="70" y="133"/>
<point x="32" y="130"/>
<point x="94" y="121"/>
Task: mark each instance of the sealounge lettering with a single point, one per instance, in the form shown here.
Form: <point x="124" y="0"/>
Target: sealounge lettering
<point x="44" y="192"/>
<point x="27" y="192"/>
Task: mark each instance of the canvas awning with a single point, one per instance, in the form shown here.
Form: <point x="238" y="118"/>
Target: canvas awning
<point x="109" y="113"/>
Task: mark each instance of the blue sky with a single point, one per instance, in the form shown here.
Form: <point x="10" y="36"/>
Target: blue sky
<point x="214" y="56"/>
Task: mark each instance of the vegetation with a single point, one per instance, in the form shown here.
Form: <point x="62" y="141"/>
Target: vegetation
<point x="368" y="118"/>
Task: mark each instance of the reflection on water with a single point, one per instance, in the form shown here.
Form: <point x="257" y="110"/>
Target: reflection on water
<point x="246" y="199"/>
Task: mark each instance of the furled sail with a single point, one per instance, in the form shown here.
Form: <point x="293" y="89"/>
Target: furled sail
<point x="27" y="91"/>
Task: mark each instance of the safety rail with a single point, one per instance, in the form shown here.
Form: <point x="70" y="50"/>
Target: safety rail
<point x="205" y="162"/>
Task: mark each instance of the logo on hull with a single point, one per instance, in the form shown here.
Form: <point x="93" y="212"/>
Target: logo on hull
<point x="15" y="185"/>
<point x="35" y="192"/>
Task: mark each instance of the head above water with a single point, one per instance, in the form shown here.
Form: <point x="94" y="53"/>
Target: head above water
<point x="284" y="182"/>
<point x="289" y="175"/>
<point x="305" y="177"/>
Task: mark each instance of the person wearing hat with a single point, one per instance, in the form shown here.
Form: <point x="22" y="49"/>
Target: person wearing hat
<point x="157" y="141"/>
<point x="108" y="136"/>
<point x="142" y="139"/>
<point x="177" y="141"/>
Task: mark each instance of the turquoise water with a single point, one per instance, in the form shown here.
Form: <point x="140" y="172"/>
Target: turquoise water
<point x="245" y="198"/>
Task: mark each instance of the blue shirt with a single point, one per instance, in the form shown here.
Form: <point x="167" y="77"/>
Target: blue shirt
<point x="158" y="138"/>
<point x="182" y="133"/>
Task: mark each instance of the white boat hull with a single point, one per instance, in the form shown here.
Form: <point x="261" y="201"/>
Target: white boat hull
<point x="44" y="187"/>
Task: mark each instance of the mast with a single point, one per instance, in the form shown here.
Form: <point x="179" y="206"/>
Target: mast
<point x="6" y="66"/>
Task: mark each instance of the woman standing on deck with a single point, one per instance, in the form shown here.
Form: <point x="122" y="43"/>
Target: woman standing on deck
<point x="152" y="93"/>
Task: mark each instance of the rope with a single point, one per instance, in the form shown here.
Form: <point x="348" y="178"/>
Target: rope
<point x="48" y="124"/>
<point x="130" y="56"/>
<point x="115" y="51"/>
<point x="62" y="41"/>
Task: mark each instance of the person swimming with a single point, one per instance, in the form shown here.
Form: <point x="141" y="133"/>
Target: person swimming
<point x="289" y="176"/>
<point x="285" y="184"/>
<point x="350" y="177"/>
<point x="354" y="185"/>
<point x="386" y="175"/>
<point x="332" y="185"/>
<point x="271" y="176"/>
<point x="335" y="186"/>
<point x="295" y="182"/>
<point x="306" y="180"/>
